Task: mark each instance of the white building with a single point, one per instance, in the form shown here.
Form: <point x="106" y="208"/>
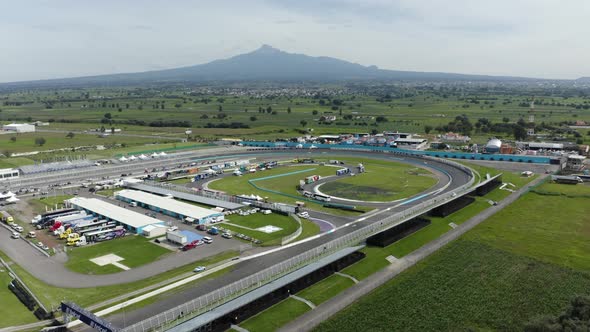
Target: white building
<point x="19" y="128"/>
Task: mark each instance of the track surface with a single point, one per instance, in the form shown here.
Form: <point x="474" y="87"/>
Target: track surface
<point x="53" y="272"/>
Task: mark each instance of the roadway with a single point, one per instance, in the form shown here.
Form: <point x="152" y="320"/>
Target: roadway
<point x="53" y="272"/>
<point x="248" y="267"/>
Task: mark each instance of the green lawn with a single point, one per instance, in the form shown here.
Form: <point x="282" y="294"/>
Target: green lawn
<point x="136" y="250"/>
<point x="48" y="202"/>
<point x="525" y="261"/>
<point x="12" y="311"/>
<point x="381" y="183"/>
<point x="309" y="229"/>
<point x="180" y="181"/>
<point x="15" y="162"/>
<point x="276" y="316"/>
<point x="51" y="296"/>
<point x="325" y="289"/>
<point x="288" y="225"/>
<point x="108" y="192"/>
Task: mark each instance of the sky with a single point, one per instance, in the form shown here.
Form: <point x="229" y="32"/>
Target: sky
<point x="67" y="38"/>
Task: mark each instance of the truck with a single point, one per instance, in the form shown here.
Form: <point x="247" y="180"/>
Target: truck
<point x="6" y="217"/>
<point x="191" y="245"/>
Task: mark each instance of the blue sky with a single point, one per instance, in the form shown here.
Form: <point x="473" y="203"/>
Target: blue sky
<point x="64" y="38"/>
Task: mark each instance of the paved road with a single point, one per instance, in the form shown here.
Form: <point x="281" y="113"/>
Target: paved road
<point x="176" y="138"/>
<point x="313" y="318"/>
<point x="251" y="266"/>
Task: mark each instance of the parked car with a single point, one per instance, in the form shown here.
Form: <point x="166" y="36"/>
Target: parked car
<point x="172" y="229"/>
<point x="207" y="240"/>
<point x="226" y="235"/>
<point x="15" y="235"/>
<point x="32" y="234"/>
<point x="199" y="269"/>
<point x="19" y="229"/>
<point x="303" y="215"/>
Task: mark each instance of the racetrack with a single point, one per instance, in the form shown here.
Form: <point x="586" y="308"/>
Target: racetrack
<point x="52" y="271"/>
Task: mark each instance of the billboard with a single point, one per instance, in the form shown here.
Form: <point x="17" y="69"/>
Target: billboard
<point x="86" y="317"/>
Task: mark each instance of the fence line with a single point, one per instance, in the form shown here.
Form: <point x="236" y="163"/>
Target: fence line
<point x="233" y="290"/>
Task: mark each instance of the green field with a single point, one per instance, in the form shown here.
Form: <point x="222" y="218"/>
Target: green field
<point x="12" y="311"/>
<point x="48" y="202"/>
<point x="381" y="183"/>
<point x="250" y="223"/>
<point x="276" y="316"/>
<point x="525" y="261"/>
<point x="325" y="289"/>
<point x="136" y="251"/>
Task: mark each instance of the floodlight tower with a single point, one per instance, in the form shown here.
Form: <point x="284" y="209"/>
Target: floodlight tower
<point x="531" y="129"/>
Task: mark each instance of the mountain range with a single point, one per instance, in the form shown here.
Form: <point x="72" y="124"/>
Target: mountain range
<point x="266" y="64"/>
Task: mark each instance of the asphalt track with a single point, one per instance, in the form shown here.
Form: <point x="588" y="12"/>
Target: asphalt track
<point x="454" y="179"/>
<point x="52" y="271"/>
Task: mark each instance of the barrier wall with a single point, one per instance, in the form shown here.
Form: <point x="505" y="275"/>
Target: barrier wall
<point x="437" y="154"/>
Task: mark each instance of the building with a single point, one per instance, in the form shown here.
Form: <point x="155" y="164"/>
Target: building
<point x="493" y="146"/>
<point x="170" y="206"/>
<point x="411" y="143"/>
<point x="453" y="137"/>
<point x="131" y="220"/>
<point x="9" y="173"/>
<point x="540" y="146"/>
<point x="19" y="128"/>
<point x="575" y="162"/>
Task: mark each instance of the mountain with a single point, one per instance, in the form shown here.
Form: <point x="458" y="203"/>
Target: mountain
<point x="264" y="64"/>
<point x="585" y="79"/>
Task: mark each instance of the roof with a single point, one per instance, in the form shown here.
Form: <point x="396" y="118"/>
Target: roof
<point x="245" y="299"/>
<point x="185" y="196"/>
<point x="546" y="145"/>
<point x="575" y="156"/>
<point x="114" y="212"/>
<point x="410" y="140"/>
<point x="168" y="204"/>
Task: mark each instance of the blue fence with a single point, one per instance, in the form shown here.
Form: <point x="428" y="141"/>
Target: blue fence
<point x="438" y="154"/>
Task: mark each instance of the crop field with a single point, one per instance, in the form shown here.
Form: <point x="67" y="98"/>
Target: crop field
<point x="135" y="250"/>
<point x="276" y="316"/>
<point x="247" y="225"/>
<point x="525" y="261"/>
<point x="381" y="183"/>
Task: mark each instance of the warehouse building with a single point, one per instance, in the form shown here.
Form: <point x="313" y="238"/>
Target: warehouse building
<point x="132" y="221"/>
<point x="19" y="128"/>
<point x="170" y="206"/>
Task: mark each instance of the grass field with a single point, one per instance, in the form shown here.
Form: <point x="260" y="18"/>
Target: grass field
<point x="41" y="204"/>
<point x="52" y="296"/>
<point x="250" y="223"/>
<point x="525" y="261"/>
<point x="12" y="311"/>
<point x="309" y="229"/>
<point x="276" y="316"/>
<point x="136" y="251"/>
<point x="325" y="289"/>
<point x="381" y="183"/>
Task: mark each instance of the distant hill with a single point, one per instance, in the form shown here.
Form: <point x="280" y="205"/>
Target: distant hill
<point x="583" y="80"/>
<point x="264" y="64"/>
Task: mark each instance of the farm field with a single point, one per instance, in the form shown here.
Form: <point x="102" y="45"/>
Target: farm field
<point x="135" y="250"/>
<point x="381" y="183"/>
<point x="247" y="225"/>
<point x="276" y="316"/>
<point x="516" y="265"/>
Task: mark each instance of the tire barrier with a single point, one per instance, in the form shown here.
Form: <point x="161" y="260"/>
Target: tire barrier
<point x="398" y="232"/>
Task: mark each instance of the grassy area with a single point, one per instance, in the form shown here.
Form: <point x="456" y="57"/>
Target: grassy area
<point x="136" y="250"/>
<point x="180" y="181"/>
<point x="466" y="286"/>
<point x="12" y="311"/>
<point x="247" y="225"/>
<point x="325" y="289"/>
<point x="381" y="183"/>
<point x="276" y="316"/>
<point x="15" y="162"/>
<point x="525" y="261"/>
<point x="579" y="190"/>
<point x="51" y="296"/>
<point x="41" y="204"/>
<point x="108" y="192"/>
<point x="309" y="229"/>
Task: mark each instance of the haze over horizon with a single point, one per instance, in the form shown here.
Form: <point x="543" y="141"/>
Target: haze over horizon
<point x="67" y="38"/>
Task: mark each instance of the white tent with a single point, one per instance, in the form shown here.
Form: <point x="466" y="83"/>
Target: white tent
<point x="155" y="155"/>
<point x="12" y="199"/>
<point x="143" y="157"/>
<point x="123" y="159"/>
<point x="133" y="158"/>
<point x="163" y="154"/>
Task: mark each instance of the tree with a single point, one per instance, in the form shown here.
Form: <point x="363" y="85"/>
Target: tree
<point x="112" y="130"/>
<point x="427" y="129"/>
<point x="505" y="120"/>
<point x="108" y="116"/>
<point x="70" y="135"/>
<point x="253" y="118"/>
<point x="102" y="129"/>
<point x="303" y="123"/>
<point x="40" y="141"/>
<point x="314" y="112"/>
<point x="289" y="110"/>
<point x="13" y="139"/>
<point x="269" y="109"/>
<point x="576" y="317"/>
<point x="220" y="108"/>
<point x="519" y="132"/>
<point x="381" y="118"/>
